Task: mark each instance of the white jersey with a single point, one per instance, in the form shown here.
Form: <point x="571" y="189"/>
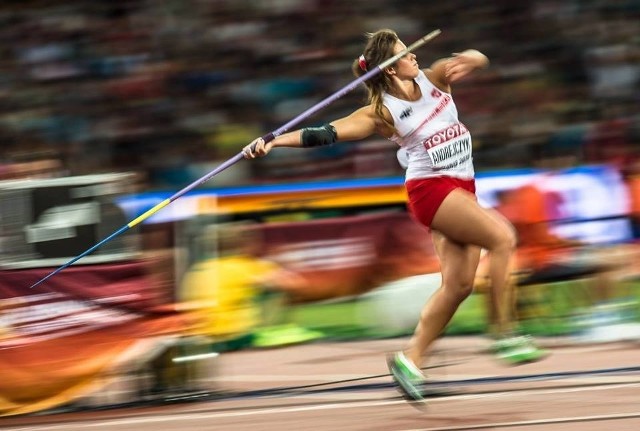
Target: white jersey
<point x="436" y="142"/>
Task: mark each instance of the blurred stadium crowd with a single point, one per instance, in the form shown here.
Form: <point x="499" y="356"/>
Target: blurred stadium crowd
<point x="170" y="88"/>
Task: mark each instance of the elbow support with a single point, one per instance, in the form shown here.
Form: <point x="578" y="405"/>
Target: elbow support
<point x="319" y="136"/>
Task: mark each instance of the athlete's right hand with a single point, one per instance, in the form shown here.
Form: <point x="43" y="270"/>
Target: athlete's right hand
<point x="257" y="148"/>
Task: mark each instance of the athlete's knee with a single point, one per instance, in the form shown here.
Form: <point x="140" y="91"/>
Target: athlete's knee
<point x="505" y="240"/>
<point x="459" y="289"/>
<point x="465" y="289"/>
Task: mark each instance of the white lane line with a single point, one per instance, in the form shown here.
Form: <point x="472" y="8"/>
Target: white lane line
<point x="325" y="378"/>
<point x="549" y="421"/>
<point x="330" y="379"/>
<point x="203" y="415"/>
<point x="182" y="417"/>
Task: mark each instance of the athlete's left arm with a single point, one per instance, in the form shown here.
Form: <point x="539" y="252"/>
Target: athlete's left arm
<point x="446" y="71"/>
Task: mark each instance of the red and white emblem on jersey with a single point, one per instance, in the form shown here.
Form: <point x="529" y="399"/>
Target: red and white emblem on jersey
<point x="435" y="93"/>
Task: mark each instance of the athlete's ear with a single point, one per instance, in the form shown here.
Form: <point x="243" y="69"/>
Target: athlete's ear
<point x="390" y="70"/>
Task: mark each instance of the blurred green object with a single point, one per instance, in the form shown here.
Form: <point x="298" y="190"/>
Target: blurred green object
<point x="546" y="310"/>
<point x="285" y="334"/>
<point x="337" y="319"/>
<point x="345" y="319"/>
<point x="231" y="344"/>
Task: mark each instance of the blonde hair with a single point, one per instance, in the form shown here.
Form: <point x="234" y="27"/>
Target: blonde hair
<point x="379" y="48"/>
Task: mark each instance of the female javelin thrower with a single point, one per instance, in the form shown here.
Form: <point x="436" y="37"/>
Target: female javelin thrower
<point x="414" y="108"/>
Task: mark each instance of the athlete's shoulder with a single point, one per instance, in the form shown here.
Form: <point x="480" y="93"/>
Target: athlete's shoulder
<point x="368" y="111"/>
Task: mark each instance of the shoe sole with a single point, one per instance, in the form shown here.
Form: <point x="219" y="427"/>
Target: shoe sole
<point x="403" y="387"/>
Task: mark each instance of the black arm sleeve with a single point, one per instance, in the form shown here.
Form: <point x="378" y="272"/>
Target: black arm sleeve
<point x="318" y="136"/>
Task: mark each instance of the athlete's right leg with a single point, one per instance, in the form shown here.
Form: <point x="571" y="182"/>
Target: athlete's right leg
<point x="458" y="263"/>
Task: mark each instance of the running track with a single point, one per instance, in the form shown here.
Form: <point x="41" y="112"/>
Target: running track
<point x="345" y="386"/>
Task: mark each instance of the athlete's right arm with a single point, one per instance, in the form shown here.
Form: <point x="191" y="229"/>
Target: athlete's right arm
<point x="358" y="125"/>
<point x="445" y="71"/>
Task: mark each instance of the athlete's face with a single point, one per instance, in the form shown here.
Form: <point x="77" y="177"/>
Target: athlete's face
<point x="407" y="66"/>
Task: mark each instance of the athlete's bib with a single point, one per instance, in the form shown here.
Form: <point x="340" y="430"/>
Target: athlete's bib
<point x="450" y="147"/>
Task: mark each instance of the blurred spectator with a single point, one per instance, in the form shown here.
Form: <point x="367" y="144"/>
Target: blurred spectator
<point x="545" y="257"/>
<point x="33" y="165"/>
<point x="610" y="140"/>
<point x="237" y="295"/>
<point x="221" y="287"/>
<point x="128" y="85"/>
<point x="632" y="178"/>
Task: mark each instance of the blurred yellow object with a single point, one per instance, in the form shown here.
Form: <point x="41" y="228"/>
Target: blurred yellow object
<point x="229" y="137"/>
<point x="222" y="293"/>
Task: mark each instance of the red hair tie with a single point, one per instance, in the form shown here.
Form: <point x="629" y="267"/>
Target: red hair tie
<point x="362" y="63"/>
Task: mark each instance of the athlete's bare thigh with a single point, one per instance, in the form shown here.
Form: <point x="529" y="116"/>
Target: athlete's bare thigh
<point x="461" y="219"/>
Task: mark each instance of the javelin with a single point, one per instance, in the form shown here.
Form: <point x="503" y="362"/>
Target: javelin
<point x="267" y="138"/>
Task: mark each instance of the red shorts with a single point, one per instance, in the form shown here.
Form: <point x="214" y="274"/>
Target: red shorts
<point x="426" y="195"/>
